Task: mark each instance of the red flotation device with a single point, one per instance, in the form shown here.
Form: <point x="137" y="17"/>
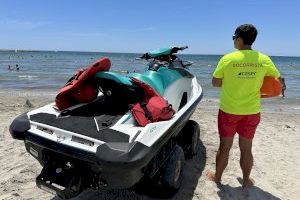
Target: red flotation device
<point x="271" y="87"/>
<point x="81" y="87"/>
<point x="154" y="107"/>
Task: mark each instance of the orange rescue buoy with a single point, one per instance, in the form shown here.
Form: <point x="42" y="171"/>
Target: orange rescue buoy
<point x="271" y="87"/>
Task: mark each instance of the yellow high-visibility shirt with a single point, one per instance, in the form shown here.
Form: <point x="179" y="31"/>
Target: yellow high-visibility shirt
<point x="242" y="73"/>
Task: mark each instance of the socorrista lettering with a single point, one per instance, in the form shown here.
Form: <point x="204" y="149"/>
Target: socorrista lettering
<point x="247" y="65"/>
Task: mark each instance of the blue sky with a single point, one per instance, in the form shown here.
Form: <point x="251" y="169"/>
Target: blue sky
<point x="137" y="26"/>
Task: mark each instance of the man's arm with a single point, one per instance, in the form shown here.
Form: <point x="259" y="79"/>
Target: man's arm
<point x="216" y="82"/>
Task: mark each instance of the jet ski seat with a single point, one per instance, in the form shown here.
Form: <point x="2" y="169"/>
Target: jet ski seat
<point x="118" y="88"/>
<point x="113" y="76"/>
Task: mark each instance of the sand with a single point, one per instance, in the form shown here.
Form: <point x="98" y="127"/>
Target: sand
<point x="276" y="151"/>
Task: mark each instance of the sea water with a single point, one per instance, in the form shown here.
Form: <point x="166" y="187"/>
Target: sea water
<point x="49" y="70"/>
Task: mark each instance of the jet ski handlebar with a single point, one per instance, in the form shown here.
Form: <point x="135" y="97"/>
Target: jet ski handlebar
<point x="163" y="54"/>
<point x="176" y="49"/>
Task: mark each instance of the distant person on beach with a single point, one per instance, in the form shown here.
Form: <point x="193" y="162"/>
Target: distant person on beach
<point x="240" y="75"/>
<point x="9" y="67"/>
<point x="17" y="67"/>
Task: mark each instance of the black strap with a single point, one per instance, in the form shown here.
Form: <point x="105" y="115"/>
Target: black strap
<point x="147" y="113"/>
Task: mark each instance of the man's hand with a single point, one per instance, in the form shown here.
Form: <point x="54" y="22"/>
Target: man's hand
<point x="216" y="82"/>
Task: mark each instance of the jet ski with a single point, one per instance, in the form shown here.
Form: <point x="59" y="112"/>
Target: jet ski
<point x="99" y="144"/>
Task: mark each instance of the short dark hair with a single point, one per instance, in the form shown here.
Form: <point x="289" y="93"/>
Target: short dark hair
<point x="247" y="32"/>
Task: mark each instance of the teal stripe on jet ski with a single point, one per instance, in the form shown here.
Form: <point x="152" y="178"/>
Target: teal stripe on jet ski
<point x="169" y="76"/>
<point x="159" y="79"/>
<point x="114" y="76"/>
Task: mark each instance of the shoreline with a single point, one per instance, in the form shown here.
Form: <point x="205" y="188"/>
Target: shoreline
<point x="274" y="105"/>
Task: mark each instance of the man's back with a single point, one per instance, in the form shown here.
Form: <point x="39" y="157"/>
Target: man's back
<point x="242" y="74"/>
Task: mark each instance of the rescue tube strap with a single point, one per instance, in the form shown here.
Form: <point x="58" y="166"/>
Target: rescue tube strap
<point x="147" y="113"/>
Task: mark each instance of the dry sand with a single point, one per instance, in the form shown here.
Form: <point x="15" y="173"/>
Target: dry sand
<point x="276" y="152"/>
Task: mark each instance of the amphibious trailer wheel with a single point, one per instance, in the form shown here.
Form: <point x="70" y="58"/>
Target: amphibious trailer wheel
<point x="188" y="138"/>
<point x="172" y="174"/>
<point x="163" y="175"/>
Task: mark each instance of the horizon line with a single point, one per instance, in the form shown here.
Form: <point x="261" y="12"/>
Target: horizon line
<point x="85" y="51"/>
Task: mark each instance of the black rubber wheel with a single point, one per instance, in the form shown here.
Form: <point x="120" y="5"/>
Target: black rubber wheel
<point x="188" y="138"/>
<point x="172" y="174"/>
